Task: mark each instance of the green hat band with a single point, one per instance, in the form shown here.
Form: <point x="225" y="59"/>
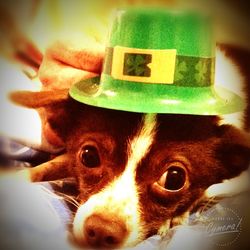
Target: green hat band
<point x="137" y="67"/>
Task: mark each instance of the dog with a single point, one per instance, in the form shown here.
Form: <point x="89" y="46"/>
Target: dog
<point x="137" y="174"/>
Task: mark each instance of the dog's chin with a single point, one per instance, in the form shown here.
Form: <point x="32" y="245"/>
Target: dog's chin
<point x="85" y="246"/>
<point x="82" y="244"/>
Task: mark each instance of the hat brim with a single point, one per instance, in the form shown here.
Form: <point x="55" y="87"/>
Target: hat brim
<point x="128" y="96"/>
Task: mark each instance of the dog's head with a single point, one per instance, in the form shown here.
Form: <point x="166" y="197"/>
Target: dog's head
<point x="137" y="172"/>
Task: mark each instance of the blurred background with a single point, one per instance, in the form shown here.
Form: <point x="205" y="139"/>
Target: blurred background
<point x="43" y="21"/>
<point x="28" y="27"/>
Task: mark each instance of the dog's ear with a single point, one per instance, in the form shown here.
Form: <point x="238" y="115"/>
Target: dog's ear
<point x="31" y="99"/>
<point x="233" y="151"/>
<point x="53" y="110"/>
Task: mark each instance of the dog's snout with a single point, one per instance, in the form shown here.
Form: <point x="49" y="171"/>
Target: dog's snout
<point x="100" y="231"/>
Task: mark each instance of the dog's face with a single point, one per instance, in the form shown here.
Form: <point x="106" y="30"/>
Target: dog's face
<point x="138" y="172"/>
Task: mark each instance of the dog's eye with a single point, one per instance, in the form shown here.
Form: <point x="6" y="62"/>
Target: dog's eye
<point x="90" y="157"/>
<point x="173" y="179"/>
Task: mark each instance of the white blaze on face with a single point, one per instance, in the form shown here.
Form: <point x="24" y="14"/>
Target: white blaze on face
<point x="120" y="198"/>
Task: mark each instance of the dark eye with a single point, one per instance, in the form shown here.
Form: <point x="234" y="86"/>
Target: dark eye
<point x="90" y="157"/>
<point x="173" y="179"/>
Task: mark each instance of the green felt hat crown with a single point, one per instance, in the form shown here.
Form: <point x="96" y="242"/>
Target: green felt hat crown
<point x="159" y="61"/>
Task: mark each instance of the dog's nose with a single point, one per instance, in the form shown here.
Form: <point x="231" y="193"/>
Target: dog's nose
<point x="100" y="231"/>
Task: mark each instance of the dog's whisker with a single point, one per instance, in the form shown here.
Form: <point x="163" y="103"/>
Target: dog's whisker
<point x="50" y="193"/>
<point x="70" y="199"/>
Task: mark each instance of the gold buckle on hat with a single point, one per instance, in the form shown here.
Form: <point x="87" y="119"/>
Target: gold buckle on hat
<point x="143" y="65"/>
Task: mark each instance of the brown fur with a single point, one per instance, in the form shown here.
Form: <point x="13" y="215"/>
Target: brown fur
<point x="209" y="151"/>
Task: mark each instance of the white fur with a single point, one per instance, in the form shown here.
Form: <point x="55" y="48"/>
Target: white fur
<point x="120" y="198"/>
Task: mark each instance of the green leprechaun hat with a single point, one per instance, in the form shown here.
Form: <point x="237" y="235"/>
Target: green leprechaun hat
<point x="159" y="61"/>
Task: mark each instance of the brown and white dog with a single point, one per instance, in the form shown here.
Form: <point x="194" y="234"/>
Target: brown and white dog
<point x="136" y="173"/>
